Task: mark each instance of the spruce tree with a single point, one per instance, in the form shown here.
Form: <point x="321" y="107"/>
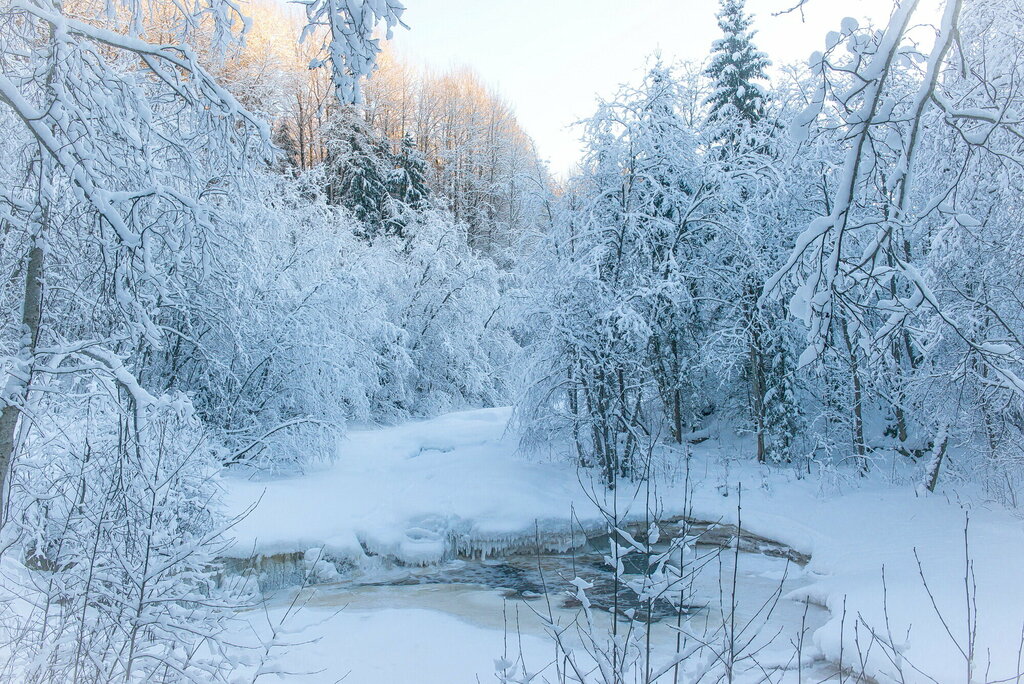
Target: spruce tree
<point x="739" y="127"/>
<point x="359" y="167"/>
<point x="736" y="68"/>
<point x="285" y="141"/>
<point x="409" y="184"/>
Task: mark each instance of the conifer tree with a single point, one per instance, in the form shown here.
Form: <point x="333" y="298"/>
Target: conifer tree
<point x="359" y="168"/>
<point x="736" y="68"/>
<point x="739" y="124"/>
<point x="407" y="185"/>
<point x="410" y="184"/>
<point x="285" y="141"/>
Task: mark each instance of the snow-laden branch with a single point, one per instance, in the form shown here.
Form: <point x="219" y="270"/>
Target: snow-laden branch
<point x="822" y="242"/>
<point x="349" y="45"/>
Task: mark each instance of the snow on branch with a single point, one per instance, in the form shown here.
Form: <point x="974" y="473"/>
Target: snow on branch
<point x="348" y="42"/>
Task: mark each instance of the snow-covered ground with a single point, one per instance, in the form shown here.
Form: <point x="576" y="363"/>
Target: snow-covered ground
<point x="405" y="491"/>
<point x="387" y="645"/>
<point x="420" y="491"/>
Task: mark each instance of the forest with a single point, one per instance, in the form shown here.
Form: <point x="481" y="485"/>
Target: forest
<point x="312" y="368"/>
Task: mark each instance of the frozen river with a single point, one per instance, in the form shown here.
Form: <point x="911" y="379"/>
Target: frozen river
<point x="449" y="623"/>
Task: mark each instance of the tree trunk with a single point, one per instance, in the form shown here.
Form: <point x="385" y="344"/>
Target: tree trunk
<point x="677" y="396"/>
<point x="16" y="390"/>
<point x="757" y="381"/>
<point x="858" y="398"/>
<point x="757" y="389"/>
<point x="931" y="477"/>
<point x="574" y="411"/>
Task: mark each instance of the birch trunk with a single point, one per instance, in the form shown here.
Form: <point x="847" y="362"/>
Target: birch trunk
<point x="17" y="384"/>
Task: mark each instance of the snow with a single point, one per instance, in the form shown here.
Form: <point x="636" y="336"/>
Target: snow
<point x="412" y="492"/>
<point x="853" y="537"/>
<point x="622" y="302"/>
<point x="411" y="645"/>
<point x="421" y="492"/>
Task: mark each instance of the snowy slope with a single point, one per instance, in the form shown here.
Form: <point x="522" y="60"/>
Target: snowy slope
<point x="409" y="491"/>
<point x="405" y="491"/>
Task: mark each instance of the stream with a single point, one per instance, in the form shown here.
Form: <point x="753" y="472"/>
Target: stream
<point x="511" y="595"/>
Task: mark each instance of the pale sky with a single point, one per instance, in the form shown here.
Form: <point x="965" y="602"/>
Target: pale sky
<point x="551" y="58"/>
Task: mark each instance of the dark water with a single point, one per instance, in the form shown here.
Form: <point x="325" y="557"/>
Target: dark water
<point x="531" y="578"/>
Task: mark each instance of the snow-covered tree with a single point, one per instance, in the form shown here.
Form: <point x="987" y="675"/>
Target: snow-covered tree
<point x="124" y="143"/>
<point x="408" y="185"/>
<point x="623" y="293"/>
<point x="741" y="130"/>
<point x="916" y="130"/>
<point x="359" y="171"/>
<point x="409" y="181"/>
<point x="122" y="529"/>
<point x="737" y="71"/>
<point x="122" y="153"/>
